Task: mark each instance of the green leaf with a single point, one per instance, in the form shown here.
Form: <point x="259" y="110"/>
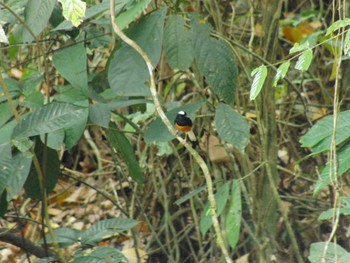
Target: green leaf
<point x="106" y="227"/>
<point x="347" y="43"/>
<point x="100" y="114"/>
<point x="127" y="73"/>
<point x="73" y="133"/>
<point x="304" y="60"/>
<point x="343" y="167"/>
<point x="344" y="210"/>
<point x="101" y="255"/>
<point x="221" y="198"/>
<point x="71" y="95"/>
<point x="36" y="16"/>
<point x="299" y="47"/>
<point x="125" y="18"/>
<point x="6" y="165"/>
<point x="21" y="167"/>
<point x="119" y="141"/>
<point x="64" y="236"/>
<point x="233" y="217"/>
<point x="335" y="253"/>
<point x="6" y="131"/>
<point x="260" y="75"/>
<point x="190" y="195"/>
<point x="148" y="33"/>
<point x="71" y="64"/>
<point x="318" y="138"/>
<point x="217" y="65"/>
<point x="6" y="112"/>
<point x="50" y="118"/>
<point x="54" y="139"/>
<point x="32" y="185"/>
<point x="23" y="144"/>
<point x="337" y="25"/>
<point x="178" y="46"/>
<point x="73" y="11"/>
<point x="158" y="132"/>
<point x="281" y="72"/>
<point x="232" y="127"/>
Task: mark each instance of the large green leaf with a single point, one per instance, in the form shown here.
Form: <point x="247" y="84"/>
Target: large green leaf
<point x="158" y="132"/>
<point x="106" y="227"/>
<point x="73" y="133"/>
<point x="32" y="185"/>
<point x="21" y="167"/>
<point x="101" y="255"/>
<point x="221" y="198"/>
<point x="71" y="64"/>
<point x="318" y="138"/>
<point x="326" y="175"/>
<point x="178" y="46"/>
<point x="51" y="117"/>
<point x="231" y="126"/>
<point x="100" y="114"/>
<point x="126" y="17"/>
<point x="6" y="165"/>
<point x="6" y="112"/>
<point x="65" y="236"/>
<point x="119" y="141"/>
<point x="127" y="73"/>
<point x="233" y="217"/>
<point x="37" y="14"/>
<point x="335" y="253"/>
<point x="148" y="33"/>
<point x="215" y="61"/>
<point x="6" y="131"/>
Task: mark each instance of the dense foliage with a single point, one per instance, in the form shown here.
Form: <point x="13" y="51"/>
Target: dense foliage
<point x="90" y="170"/>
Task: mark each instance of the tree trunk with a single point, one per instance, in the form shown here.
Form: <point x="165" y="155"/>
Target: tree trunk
<point x="266" y="214"/>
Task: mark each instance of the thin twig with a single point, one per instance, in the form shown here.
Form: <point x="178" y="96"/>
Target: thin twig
<point x="172" y="130"/>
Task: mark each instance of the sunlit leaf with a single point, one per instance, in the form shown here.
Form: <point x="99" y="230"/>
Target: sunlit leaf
<point x="304" y="60"/>
<point x="335" y="253"/>
<point x="337" y="25"/>
<point x="73" y="11"/>
<point x="260" y="75"/>
<point x="281" y="72"/>
<point x="299" y="47"/>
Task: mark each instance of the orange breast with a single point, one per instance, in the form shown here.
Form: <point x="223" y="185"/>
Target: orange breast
<point x="183" y="128"/>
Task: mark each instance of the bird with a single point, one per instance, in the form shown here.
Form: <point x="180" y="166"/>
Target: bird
<point x="184" y="124"/>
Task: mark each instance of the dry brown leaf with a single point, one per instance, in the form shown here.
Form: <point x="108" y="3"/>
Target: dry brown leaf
<point x="243" y="259"/>
<point x="130" y="254"/>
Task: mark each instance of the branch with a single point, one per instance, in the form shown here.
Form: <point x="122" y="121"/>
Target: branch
<point x="194" y="153"/>
<point x="10" y="237"/>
